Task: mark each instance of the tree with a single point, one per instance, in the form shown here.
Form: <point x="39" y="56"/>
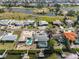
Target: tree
<point x="40" y="5"/>
<point x="67" y="44"/>
<point x="71" y="13"/>
<point x="52" y="42"/>
<point x="52" y="10"/>
<point x="57" y="8"/>
<point x="57" y="5"/>
<point x="78" y="18"/>
<point x="26" y="4"/>
<point x="2" y="10"/>
<point x="77" y="21"/>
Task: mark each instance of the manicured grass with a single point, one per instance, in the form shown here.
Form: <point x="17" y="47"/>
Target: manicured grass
<point x="13" y="57"/>
<point x="72" y="6"/>
<point x="2" y="6"/>
<point x="8" y="46"/>
<point x="53" y="56"/>
<point x="22" y="16"/>
<point x="52" y="18"/>
<point x="32" y="56"/>
<point x="14" y="15"/>
<point x="16" y="54"/>
<point x="18" y="57"/>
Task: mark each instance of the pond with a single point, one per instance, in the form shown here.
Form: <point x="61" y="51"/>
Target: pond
<point x="30" y="11"/>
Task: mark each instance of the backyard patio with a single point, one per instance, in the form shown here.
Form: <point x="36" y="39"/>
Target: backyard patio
<point x="22" y="46"/>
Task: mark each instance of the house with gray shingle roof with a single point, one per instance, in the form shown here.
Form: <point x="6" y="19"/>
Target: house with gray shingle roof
<point x="19" y="23"/>
<point x="57" y="22"/>
<point x="69" y="22"/>
<point x="43" y="23"/>
<point x="29" y="22"/>
<point x="8" y="37"/>
<point x="41" y="39"/>
<point x="4" y="22"/>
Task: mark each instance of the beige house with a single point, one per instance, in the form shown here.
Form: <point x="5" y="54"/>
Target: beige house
<point x="26" y="34"/>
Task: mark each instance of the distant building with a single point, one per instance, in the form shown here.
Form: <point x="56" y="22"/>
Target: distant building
<point x="45" y="2"/>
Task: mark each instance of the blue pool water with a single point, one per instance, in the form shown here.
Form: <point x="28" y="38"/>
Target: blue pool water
<point x="29" y="41"/>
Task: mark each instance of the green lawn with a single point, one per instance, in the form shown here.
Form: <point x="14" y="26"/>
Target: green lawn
<point x="13" y="57"/>
<point x="2" y="6"/>
<point x="53" y="56"/>
<point x="16" y="54"/>
<point x="52" y="18"/>
<point x="22" y="16"/>
<point x="18" y="57"/>
<point x="8" y="46"/>
<point x="72" y="6"/>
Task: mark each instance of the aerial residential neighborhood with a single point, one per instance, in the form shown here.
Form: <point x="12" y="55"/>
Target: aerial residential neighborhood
<point x="39" y="29"/>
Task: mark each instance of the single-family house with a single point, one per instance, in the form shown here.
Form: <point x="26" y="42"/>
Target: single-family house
<point x="69" y="22"/>
<point x="19" y="23"/>
<point x="57" y="22"/>
<point x="4" y="22"/>
<point x="42" y="23"/>
<point x="70" y="36"/>
<point x="41" y="39"/>
<point x="20" y="3"/>
<point x="8" y="37"/>
<point x="26" y="40"/>
<point x="25" y="35"/>
<point x="29" y="22"/>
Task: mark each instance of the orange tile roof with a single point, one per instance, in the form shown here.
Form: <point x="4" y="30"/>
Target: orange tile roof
<point x="70" y="36"/>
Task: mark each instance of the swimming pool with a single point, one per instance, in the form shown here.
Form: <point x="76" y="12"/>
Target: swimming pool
<point x="29" y="41"/>
<point x="77" y="41"/>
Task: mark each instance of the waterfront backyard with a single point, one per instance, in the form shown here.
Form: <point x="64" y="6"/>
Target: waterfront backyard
<point x="29" y="41"/>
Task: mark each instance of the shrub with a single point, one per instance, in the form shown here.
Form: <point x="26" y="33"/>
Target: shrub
<point x="58" y="50"/>
<point x="71" y="13"/>
<point x="52" y="42"/>
<point x="2" y="10"/>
